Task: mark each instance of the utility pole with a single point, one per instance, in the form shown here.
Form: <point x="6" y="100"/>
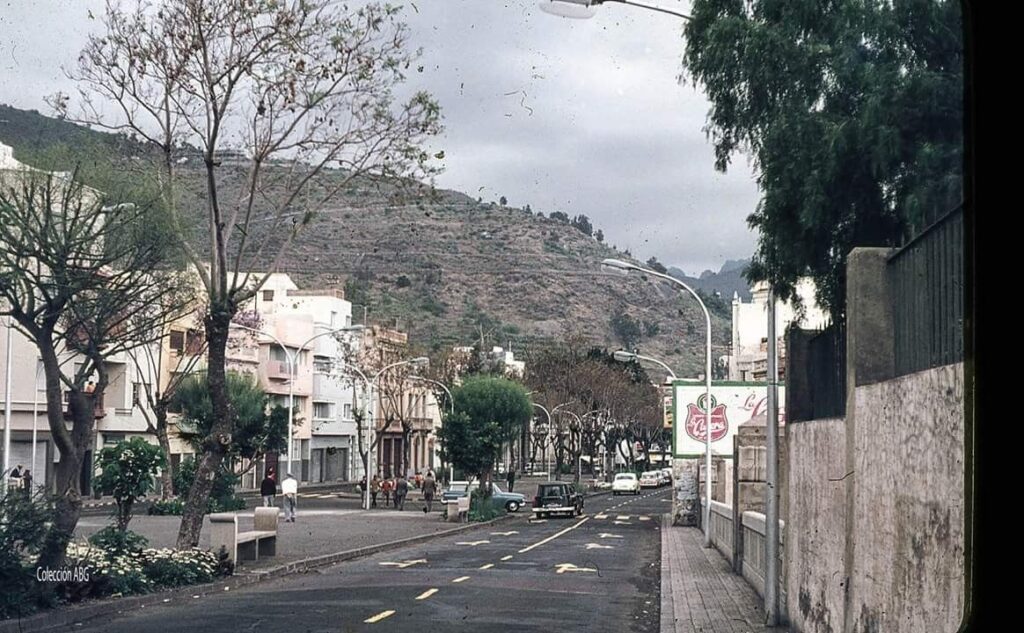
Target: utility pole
<point x="771" y="532"/>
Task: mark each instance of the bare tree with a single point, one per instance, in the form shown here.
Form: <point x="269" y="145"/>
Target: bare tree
<point x="284" y="104"/>
<point x="84" y="281"/>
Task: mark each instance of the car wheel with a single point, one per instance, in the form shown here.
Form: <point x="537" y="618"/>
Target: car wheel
<point x="512" y="506"/>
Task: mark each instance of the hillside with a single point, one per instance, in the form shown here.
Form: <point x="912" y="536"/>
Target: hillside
<point x="448" y="268"/>
<point x="727" y="281"/>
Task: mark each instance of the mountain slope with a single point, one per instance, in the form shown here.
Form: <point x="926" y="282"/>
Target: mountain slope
<point x="449" y="269"/>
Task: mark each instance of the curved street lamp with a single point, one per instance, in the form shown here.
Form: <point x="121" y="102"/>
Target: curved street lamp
<point x="623" y="356"/>
<point x="451" y="400"/>
<point x="292" y="371"/>
<point x="624" y="268"/>
<point x="584" y="9"/>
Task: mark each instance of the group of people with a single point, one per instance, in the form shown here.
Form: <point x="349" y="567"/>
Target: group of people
<point x="20" y="479"/>
<point x="289" y="489"/>
<point x="398" y="488"/>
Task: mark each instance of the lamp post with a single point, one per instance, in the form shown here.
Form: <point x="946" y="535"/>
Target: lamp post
<point x="7" y="407"/>
<point x="548" y="431"/>
<point x="625" y="268"/>
<point x="451" y="400"/>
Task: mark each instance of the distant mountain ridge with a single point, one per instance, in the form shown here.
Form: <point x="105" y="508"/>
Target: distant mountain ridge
<point x="729" y="280"/>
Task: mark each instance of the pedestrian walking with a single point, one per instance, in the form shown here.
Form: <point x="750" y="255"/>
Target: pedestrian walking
<point x="15" y="478"/>
<point x="511" y="478"/>
<point x="401" y="490"/>
<point x="290" y="490"/>
<point x="429" y="490"/>
<point x="26" y="483"/>
<point x="268" y="489"/>
<point x="374" y="490"/>
<point x="385" y="487"/>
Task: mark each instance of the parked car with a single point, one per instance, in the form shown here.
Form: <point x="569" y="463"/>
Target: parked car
<point x="666" y="476"/>
<point x="625" y="483"/>
<point x="650" y="479"/>
<point x="510" y="501"/>
<point x="557" y="498"/>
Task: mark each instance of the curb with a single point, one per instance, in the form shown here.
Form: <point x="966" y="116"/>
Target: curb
<point x="69" y="616"/>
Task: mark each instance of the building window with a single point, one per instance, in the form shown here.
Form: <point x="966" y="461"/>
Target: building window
<point x="177" y="341"/>
<point x="139" y="390"/>
<point x="268" y="295"/>
<point x="321" y="364"/>
<point x="347" y="412"/>
<point x="322" y="410"/>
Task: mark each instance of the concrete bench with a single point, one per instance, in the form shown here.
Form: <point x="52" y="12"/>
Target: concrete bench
<point x="458" y="509"/>
<point x="261" y="541"/>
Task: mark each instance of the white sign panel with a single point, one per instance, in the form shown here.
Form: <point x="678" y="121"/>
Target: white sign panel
<point x="732" y="404"/>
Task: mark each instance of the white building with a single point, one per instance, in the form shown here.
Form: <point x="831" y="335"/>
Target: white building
<point x="749" y="351"/>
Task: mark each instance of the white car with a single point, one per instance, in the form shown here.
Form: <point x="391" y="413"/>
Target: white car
<point x="625" y="483"/>
<point x="650" y="479"/>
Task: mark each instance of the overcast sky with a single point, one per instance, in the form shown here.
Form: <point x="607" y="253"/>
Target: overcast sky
<point x="580" y="116"/>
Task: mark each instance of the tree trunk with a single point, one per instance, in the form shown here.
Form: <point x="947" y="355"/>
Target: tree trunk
<point x="166" y="473"/>
<point x="215" y="445"/>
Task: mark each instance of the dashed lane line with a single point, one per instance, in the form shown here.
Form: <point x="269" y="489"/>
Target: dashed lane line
<point x="509" y="557"/>
<point x="426" y="594"/>
<point x="487" y="566"/>
<point x="380" y="616"/>
<point x="461" y="579"/>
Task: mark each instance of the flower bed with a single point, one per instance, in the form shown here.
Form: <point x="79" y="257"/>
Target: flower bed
<point x="105" y="573"/>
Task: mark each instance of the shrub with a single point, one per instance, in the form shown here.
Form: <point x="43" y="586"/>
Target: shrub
<point x="481" y="508"/>
<point x="222" y="496"/>
<point x="176" y="568"/>
<point x="113" y="540"/>
<point x="164" y="507"/>
<point x="127" y="472"/>
<point x="22" y="532"/>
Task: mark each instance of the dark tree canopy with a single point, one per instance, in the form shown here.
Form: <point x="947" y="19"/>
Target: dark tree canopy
<point x="853" y="113"/>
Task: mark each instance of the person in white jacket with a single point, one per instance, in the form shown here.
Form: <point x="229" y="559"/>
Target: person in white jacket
<point x="290" y="490"/>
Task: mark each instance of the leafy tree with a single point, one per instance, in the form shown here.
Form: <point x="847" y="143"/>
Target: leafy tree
<point x="560" y="217"/>
<point x="582" y="224"/>
<point x="503" y="201"/>
<point x="657" y="266"/>
<point x="627" y="329"/>
<point x="489" y="412"/>
<point x="259" y="429"/>
<point x="127" y="472"/>
<point x="599" y="236"/>
<point x="289" y="104"/>
<point x="853" y="113"/>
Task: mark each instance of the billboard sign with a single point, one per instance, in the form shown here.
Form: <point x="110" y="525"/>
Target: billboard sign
<point x="732" y="403"/>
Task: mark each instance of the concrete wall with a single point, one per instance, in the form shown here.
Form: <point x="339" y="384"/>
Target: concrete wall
<point x="908" y="567"/>
<point x="816" y="490"/>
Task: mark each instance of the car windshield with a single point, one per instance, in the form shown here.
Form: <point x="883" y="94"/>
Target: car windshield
<point x="625" y="476"/>
<point x="550" y="491"/>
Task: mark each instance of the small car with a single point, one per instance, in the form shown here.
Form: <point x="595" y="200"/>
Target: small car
<point x="650" y="479"/>
<point x="625" y="483"/>
<point x="666" y="474"/>
<point x="510" y="501"/>
<point x="557" y="498"/>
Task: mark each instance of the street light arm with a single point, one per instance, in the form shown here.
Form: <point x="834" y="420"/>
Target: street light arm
<point x="663" y="365"/>
<point x="650" y="7"/>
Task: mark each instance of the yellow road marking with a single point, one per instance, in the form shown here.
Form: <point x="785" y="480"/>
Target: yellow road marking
<point x="551" y="538"/>
<point x="380" y="616"/>
<point x="426" y="594"/>
<point x="472" y="543"/>
<point x="597" y="546"/>
<point x="623" y="517"/>
<point x="645" y="518"/>
<point x="607" y="535"/>
<point x="461" y="579"/>
<point x="621" y="523"/>
<point x="509" y="533"/>
<point x="487" y="566"/>
<point x="509" y="557"/>
<point x="600" y="516"/>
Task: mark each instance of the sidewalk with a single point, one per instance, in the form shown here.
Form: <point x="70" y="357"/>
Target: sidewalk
<point x="316" y="531"/>
<point x="699" y="592"/>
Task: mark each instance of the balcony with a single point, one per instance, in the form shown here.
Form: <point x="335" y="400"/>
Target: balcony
<point x="280" y="370"/>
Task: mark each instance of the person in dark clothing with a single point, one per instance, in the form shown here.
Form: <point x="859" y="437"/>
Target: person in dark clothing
<point x="429" y="490"/>
<point x="401" y="490"/>
<point x="511" y="478"/>
<point x="268" y="489"/>
<point x="26" y="482"/>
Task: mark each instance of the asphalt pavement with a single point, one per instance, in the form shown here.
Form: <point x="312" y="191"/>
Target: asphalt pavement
<point x="598" y="572"/>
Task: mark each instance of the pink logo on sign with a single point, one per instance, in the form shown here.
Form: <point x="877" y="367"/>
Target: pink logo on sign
<point x="696" y="420"/>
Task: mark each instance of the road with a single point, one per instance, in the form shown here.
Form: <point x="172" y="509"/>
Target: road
<point x="598" y="572"/>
